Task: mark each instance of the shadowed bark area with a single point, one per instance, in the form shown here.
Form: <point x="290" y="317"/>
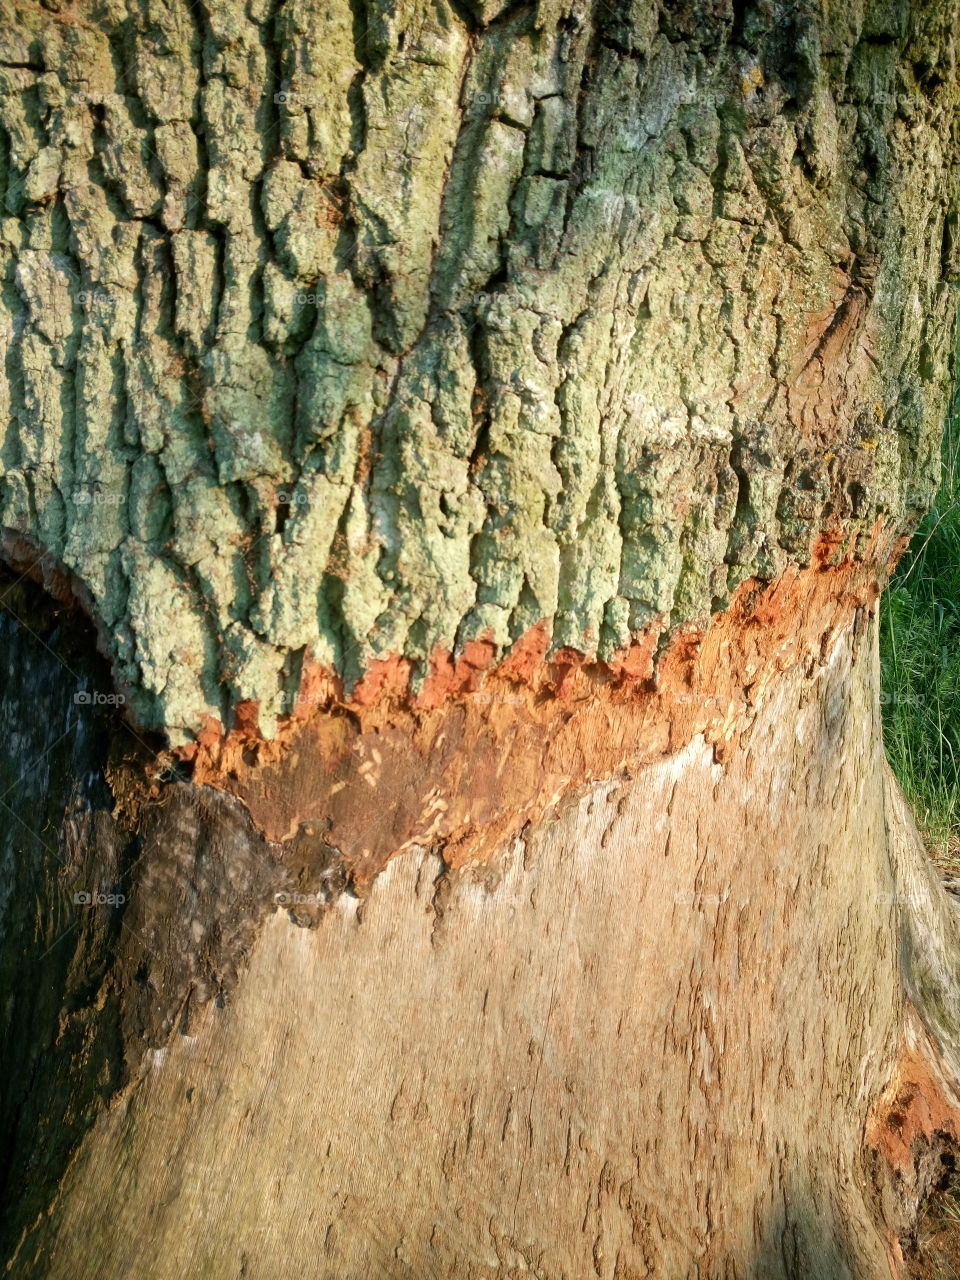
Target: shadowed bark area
<point x="91" y="979"/>
<point x="477" y="438"/>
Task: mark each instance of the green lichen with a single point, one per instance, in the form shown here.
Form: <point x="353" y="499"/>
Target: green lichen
<point x="358" y="331"/>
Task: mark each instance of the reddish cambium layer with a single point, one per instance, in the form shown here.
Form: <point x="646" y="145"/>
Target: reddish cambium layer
<point x="911" y="1122"/>
<point x="483" y="749"/>
<point x="915" y="1111"/>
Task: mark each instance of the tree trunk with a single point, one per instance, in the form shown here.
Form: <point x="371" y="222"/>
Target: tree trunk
<point x="478" y="437"/>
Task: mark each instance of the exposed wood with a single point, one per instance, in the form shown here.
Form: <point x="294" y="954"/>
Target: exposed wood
<point x="664" y="1032"/>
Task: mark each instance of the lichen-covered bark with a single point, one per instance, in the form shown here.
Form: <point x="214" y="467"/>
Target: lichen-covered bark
<point x="346" y="332"/>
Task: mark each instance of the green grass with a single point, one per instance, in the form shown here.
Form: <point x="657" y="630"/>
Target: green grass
<point x="920" y="659"/>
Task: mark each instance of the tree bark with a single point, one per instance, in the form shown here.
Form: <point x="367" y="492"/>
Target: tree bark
<point x="477" y="437"/>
